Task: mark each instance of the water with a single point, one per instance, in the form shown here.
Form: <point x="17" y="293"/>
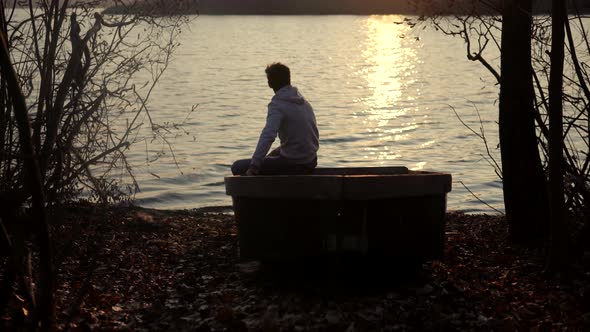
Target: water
<point x="382" y="93"/>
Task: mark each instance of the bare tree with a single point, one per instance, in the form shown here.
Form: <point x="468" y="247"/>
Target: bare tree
<point x="558" y="234"/>
<point x="509" y="32"/>
<point x="33" y="185"/>
<point x="487" y="35"/>
<point x="524" y="183"/>
<point x="87" y="79"/>
<point x="74" y="95"/>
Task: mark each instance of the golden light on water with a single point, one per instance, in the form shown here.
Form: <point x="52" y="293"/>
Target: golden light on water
<point x="389" y="67"/>
<point x="419" y="166"/>
<point x="384" y="57"/>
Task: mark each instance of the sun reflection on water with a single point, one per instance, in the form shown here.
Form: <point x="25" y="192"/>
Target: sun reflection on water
<point x="389" y="67"/>
<point x="419" y="166"/>
<point x="383" y="56"/>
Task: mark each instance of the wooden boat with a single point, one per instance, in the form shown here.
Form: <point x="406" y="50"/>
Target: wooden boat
<point x="376" y="211"/>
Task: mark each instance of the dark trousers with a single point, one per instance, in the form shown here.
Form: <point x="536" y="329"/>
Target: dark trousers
<point x="274" y="166"/>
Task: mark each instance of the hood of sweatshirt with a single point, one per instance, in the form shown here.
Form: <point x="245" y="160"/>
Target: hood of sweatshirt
<point x="289" y="94"/>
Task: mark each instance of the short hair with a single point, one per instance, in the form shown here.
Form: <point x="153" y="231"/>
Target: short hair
<point x="278" y="75"/>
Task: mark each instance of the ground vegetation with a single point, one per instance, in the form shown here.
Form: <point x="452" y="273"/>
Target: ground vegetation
<point x="149" y="270"/>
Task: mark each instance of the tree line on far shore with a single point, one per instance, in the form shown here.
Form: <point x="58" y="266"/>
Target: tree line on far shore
<point x="324" y="7"/>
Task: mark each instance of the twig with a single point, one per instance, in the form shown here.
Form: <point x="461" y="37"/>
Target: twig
<point x="481" y="135"/>
<point x="479" y="199"/>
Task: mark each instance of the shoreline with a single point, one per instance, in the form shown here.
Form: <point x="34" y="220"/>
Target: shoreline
<point x="228" y="209"/>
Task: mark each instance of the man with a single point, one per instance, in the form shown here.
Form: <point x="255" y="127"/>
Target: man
<point x="292" y="117"/>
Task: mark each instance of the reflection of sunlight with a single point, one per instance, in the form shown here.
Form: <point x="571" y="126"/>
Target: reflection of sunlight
<point x="427" y="144"/>
<point x="387" y="64"/>
<point x="419" y="166"/>
<point x="402" y="129"/>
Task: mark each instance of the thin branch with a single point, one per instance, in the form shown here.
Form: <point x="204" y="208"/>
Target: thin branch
<point x="479" y="199"/>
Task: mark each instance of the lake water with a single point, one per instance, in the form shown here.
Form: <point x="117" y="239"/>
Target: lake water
<point x="382" y="93"/>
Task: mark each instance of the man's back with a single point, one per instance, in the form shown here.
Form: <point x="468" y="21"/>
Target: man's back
<point x="298" y="130"/>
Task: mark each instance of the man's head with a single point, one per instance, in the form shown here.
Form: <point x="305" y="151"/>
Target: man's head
<point x="278" y="75"/>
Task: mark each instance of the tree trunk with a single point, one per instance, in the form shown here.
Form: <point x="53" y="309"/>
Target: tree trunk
<point x="558" y="234"/>
<point x="44" y="313"/>
<point x="525" y="189"/>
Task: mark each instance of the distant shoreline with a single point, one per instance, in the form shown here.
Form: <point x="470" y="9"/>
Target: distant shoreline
<point x="304" y="7"/>
<point x="120" y="10"/>
<point x="327" y="7"/>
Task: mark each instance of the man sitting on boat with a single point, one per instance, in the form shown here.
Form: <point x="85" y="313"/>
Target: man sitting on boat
<point x="293" y="119"/>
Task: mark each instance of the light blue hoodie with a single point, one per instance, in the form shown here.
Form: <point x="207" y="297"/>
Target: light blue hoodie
<point x="292" y="117"/>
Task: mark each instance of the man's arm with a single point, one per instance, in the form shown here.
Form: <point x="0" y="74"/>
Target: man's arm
<point x="267" y="137"/>
<point x="254" y="170"/>
<point x="275" y="153"/>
